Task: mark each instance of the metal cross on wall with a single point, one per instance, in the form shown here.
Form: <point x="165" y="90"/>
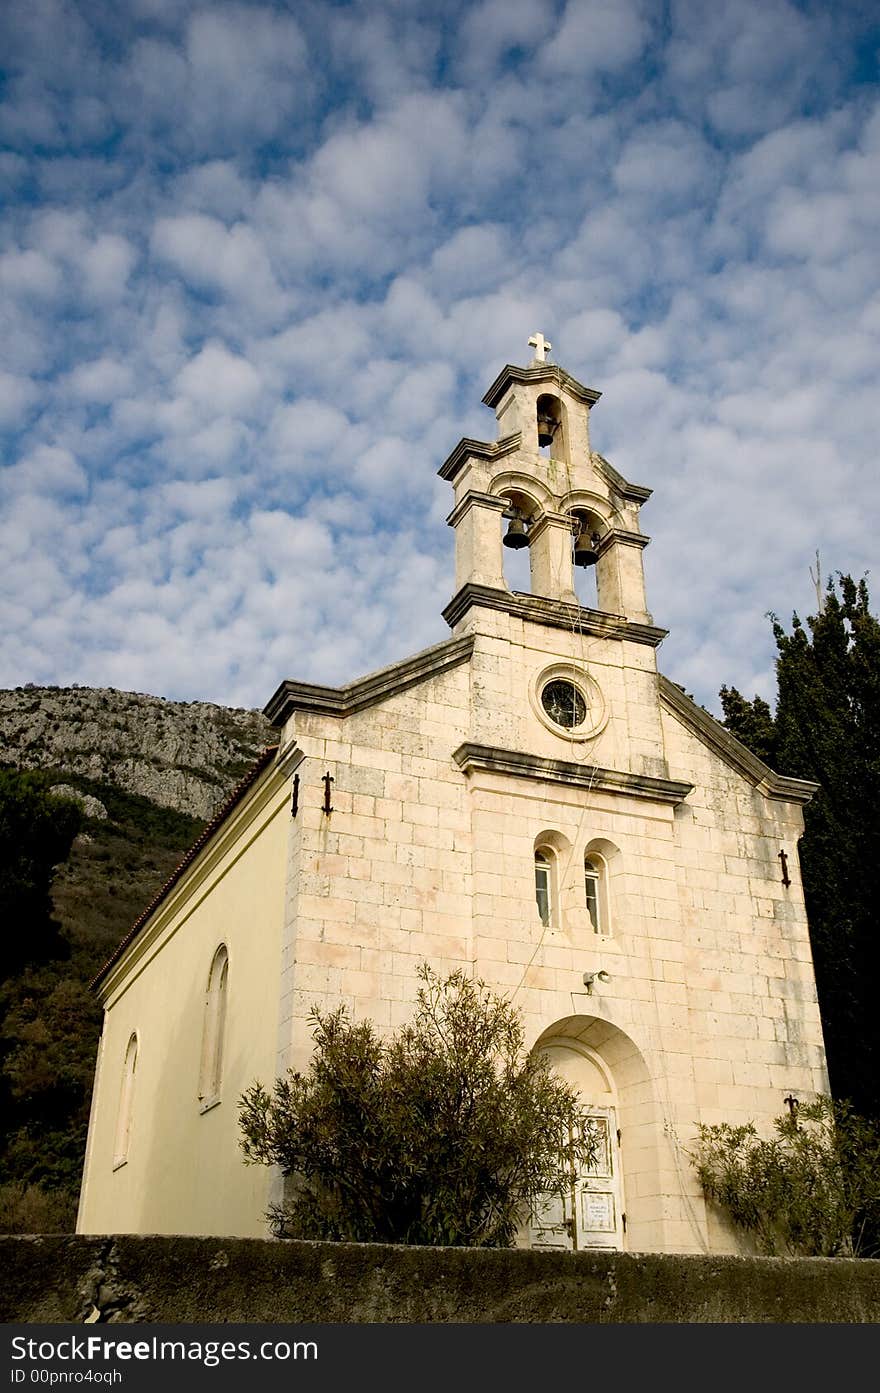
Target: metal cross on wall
<point x="540" y="345"/>
<point x="783" y="860"/>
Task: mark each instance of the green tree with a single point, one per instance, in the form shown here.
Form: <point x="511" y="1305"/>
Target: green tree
<point x="812" y="1190"/>
<point x="827" y="728"/>
<point x="42" y="1087"/>
<point x="751" y="722"/>
<point x="49" y="1023"/>
<point x="439" y="1135"/>
<point x="36" y="834"/>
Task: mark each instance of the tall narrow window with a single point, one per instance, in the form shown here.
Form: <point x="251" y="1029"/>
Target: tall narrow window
<point x="214" y="1031"/>
<point x="594" y="893"/>
<point x="544" y="886"/>
<point x="126" y="1103"/>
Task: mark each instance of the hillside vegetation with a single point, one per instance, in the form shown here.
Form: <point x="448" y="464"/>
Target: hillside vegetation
<point x="145" y="775"/>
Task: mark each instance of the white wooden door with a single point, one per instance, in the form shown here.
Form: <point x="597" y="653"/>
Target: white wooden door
<point x="598" y="1217"/>
<point x="551" y="1224"/>
<point x="590" y="1215"/>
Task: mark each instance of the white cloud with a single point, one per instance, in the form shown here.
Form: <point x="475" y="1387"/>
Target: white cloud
<point x="215" y="187"/>
<point x="746" y="66"/>
<point x="665" y="161"/>
<point x="106" y="266"/>
<point x="47" y="471"/>
<point x="260" y="266"/>
<point x="211" y="256"/>
<point x="475" y="258"/>
<point x="29" y="273"/>
<point x="595" y="36"/>
<point x="246" y="64"/>
<point x="308" y="427"/>
<point x="103" y="380"/>
<point x="210" y="498"/>
<point x="219" y="380"/>
<point x="496" y="29"/>
<point x="17" y="395"/>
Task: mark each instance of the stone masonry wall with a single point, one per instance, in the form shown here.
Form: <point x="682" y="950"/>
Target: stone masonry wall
<point x="127" y="1279"/>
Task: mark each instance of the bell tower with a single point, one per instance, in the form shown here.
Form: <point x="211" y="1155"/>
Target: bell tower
<point x="541" y="483"/>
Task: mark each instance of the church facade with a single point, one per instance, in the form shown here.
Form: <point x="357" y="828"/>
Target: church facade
<point x="529" y="799"/>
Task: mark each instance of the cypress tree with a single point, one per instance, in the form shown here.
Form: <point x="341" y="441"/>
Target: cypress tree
<point x="827" y="728"/>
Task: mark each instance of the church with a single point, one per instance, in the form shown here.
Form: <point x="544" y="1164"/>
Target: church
<point x="529" y="799"/>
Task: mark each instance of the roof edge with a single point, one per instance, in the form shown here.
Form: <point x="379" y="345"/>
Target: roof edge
<point x="467" y="448"/>
<point x="539" y="372"/>
<point x="635" y="493"/>
<point x="293" y="696"/>
<point x="733" y="751"/>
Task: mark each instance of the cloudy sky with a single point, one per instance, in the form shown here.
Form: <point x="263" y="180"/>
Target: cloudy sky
<point x="260" y="262"/>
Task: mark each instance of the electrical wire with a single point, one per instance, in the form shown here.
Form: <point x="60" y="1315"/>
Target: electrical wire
<point x="655" y="1026"/>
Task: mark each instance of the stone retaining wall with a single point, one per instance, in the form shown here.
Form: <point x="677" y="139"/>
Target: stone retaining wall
<point x="63" y="1278"/>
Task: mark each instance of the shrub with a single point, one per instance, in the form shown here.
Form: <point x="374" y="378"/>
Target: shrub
<point x="441" y="1135"/>
<point x="811" y="1190"/>
<point x="31" y="1209"/>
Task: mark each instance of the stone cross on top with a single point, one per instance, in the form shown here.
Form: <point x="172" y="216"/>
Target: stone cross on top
<point x="540" y="345"/>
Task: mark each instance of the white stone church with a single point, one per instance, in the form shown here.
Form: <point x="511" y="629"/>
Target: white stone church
<point x="529" y="799"/>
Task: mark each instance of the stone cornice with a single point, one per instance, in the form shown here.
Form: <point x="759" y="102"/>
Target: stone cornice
<point x="367" y="691"/>
<point x="635" y="493"/>
<point x="622" y="534"/>
<point x="556" y="614"/>
<point x="478" y="449"/>
<point x="540" y="372"/>
<point x="549" y="519"/>
<point x="732" y="751"/>
<point x="472" y="758"/>
<point x="473" y="498"/>
<point x="288" y="760"/>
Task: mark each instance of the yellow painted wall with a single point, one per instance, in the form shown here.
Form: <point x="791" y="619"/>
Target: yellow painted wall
<point x="184" y="1172"/>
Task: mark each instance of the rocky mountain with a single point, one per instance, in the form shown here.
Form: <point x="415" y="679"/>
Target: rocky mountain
<point x="180" y="755"/>
<point x="148" y="774"/>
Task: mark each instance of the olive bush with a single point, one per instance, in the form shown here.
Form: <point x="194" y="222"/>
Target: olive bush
<point x="813" y="1189"/>
<point x="442" y="1134"/>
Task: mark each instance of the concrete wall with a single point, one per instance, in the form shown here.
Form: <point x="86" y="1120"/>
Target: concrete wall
<point x="62" y="1278"/>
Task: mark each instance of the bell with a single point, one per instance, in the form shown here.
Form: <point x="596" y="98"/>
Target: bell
<point x="586" y="548"/>
<point x="547" y="427"/>
<point x="516" y="535"/>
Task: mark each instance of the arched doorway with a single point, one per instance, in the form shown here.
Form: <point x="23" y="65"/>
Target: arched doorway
<point x="611" y="1076"/>
<point x="592" y="1214"/>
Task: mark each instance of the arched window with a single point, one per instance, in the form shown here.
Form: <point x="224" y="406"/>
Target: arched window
<point x="126" y="1103"/>
<point x="211" y="1074"/>
<point x="544" y="885"/>
<point x="596" y="892"/>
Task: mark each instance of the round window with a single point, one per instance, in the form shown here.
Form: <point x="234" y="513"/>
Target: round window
<point x="564" y="704"/>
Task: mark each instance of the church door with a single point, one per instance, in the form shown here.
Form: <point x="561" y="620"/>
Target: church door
<point x="598" y="1217"/>
<point x="589" y="1216"/>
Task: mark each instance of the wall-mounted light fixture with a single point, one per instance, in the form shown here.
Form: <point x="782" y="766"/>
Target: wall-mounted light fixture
<point x="591" y="977"/>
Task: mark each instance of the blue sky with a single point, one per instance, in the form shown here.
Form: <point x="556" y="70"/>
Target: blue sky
<point x="258" y="264"/>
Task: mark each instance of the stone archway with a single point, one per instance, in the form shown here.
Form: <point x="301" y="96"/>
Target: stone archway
<point x="618" y="1206"/>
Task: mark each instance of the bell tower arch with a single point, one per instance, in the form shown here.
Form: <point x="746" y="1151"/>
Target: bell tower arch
<point x="540" y="485"/>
